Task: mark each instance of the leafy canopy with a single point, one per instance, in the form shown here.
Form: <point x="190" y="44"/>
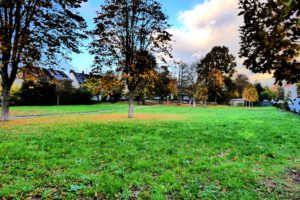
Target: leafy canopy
<point x="270" y="38"/>
<point x="125" y="31"/>
<point x="37" y="30"/>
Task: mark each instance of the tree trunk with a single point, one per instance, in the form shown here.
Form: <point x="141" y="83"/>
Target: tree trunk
<point x="130" y="111"/>
<point x="5" y="104"/>
<point x="57" y="100"/>
<point x="205" y="103"/>
<point x="215" y="100"/>
<point x="194" y="103"/>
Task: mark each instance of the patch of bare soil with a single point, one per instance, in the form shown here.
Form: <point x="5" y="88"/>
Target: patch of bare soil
<point x="288" y="187"/>
<point x="99" y="118"/>
<point x="293" y="175"/>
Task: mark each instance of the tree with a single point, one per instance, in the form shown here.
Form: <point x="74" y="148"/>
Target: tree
<point x="192" y="83"/>
<point x="125" y="30"/>
<point x="241" y="81"/>
<point x="270" y="38"/>
<point x="215" y="67"/>
<point x="93" y="85"/>
<point x="36" y="30"/>
<point x="146" y="81"/>
<point x="229" y="91"/>
<point x="182" y="81"/>
<point x="267" y="94"/>
<point x="164" y="84"/>
<point x="259" y="88"/>
<point x="216" y="83"/>
<point x="111" y="85"/>
<point x="250" y="94"/>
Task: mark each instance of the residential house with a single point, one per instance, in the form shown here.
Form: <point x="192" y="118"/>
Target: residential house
<point x="78" y="79"/>
<point x="36" y="73"/>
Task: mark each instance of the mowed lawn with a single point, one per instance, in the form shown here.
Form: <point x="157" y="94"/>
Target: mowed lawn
<point x="166" y="152"/>
<point x="42" y="110"/>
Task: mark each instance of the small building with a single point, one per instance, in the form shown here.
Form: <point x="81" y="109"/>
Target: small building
<point x="237" y="102"/>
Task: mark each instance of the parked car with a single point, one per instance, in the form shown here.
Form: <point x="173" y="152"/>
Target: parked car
<point x="294" y="105"/>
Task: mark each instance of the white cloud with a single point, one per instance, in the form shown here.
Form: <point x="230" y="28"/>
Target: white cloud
<point x="214" y="22"/>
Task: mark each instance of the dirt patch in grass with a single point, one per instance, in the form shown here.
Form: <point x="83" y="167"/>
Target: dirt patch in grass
<point x="100" y="118"/>
<point x="288" y="187"/>
<point x="293" y="175"/>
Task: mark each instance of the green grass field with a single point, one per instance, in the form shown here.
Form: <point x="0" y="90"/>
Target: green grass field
<point x="40" y="110"/>
<point x="166" y="152"/>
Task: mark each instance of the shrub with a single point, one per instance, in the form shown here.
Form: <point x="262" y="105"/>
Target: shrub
<point x="82" y="96"/>
<point x="37" y="93"/>
<point x="15" y="95"/>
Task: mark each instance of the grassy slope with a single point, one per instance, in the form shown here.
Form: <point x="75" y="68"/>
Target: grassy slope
<point x="230" y="153"/>
<point x="37" y="110"/>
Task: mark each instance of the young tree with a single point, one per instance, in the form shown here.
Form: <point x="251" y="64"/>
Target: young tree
<point x="229" y="90"/>
<point x="111" y="85"/>
<point x="270" y="38"/>
<point x="93" y="85"/>
<point x="215" y="67"/>
<point x="35" y="30"/>
<point x="241" y="81"/>
<point x="192" y="82"/>
<point x="250" y="94"/>
<point x="164" y="84"/>
<point x="182" y="81"/>
<point x="259" y="88"/>
<point x="267" y="94"/>
<point x="125" y="29"/>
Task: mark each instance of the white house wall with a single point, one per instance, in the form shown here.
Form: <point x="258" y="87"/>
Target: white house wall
<point x="75" y="83"/>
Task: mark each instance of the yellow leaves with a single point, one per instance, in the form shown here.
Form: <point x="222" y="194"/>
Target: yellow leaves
<point x="250" y="93"/>
<point x="235" y="158"/>
<point x="217" y="78"/>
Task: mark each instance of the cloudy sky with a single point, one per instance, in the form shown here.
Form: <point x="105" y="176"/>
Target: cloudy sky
<point x="198" y="25"/>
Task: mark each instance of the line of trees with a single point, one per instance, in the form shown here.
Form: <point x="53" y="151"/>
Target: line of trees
<point x="129" y="34"/>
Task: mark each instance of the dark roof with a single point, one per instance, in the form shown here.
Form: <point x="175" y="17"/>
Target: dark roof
<point x="59" y="75"/>
<point x="50" y="74"/>
<point x="80" y="77"/>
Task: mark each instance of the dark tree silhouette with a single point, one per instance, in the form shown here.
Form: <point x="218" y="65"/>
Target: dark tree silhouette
<point x="36" y="30"/>
<point x="214" y="67"/>
<point x="124" y="29"/>
<point x="241" y="81"/>
<point x="270" y="38"/>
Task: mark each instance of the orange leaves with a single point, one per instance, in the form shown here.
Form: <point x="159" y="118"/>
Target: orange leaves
<point x="100" y="118"/>
<point x="235" y="158"/>
<point x="250" y="93"/>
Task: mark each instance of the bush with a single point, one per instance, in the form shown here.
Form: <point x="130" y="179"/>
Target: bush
<point x="37" y="93"/>
<point x="82" y="96"/>
<point x="46" y="93"/>
<point x="15" y="95"/>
